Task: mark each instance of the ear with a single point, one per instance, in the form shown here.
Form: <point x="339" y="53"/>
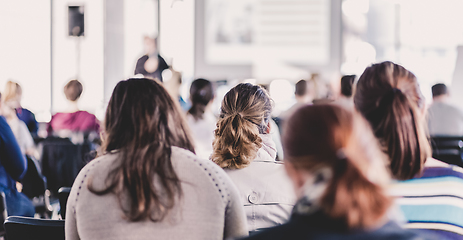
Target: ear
<point x="296" y="176"/>
<point x="269" y="127"/>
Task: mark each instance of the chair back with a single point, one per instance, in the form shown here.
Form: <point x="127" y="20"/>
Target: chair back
<point x="25" y="228"/>
<point x="34" y="183"/>
<point x="448" y="149"/>
<point x="63" y="195"/>
<point x="61" y="161"/>
<point x="3" y="212"/>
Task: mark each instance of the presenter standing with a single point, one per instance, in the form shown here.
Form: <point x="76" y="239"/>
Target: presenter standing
<point x="151" y="64"/>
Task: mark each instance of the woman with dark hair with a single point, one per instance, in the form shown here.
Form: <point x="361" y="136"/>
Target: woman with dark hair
<point x="200" y="118"/>
<point x="148" y="181"/>
<point x="244" y="148"/>
<point x="338" y="173"/>
<point x="429" y="191"/>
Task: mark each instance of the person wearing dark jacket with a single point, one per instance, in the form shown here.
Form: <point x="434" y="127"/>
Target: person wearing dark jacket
<point x="13" y="166"/>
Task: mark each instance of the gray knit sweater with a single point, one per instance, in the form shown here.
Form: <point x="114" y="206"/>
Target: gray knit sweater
<point x="209" y="209"/>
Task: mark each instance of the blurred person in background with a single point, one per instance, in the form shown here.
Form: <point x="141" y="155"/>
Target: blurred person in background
<point x="347" y="88"/>
<point x="13" y="95"/>
<point x="19" y="128"/>
<point x="73" y="120"/>
<point x="303" y="97"/>
<point x="200" y="117"/>
<point x="148" y="182"/>
<point x="173" y="83"/>
<point x="428" y="191"/>
<point x="444" y="119"/>
<point x="338" y="173"/>
<point x="151" y="64"/>
<point x="13" y="167"/>
<point x="245" y="149"/>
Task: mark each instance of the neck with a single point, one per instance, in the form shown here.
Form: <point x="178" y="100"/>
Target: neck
<point x="441" y="98"/>
<point x="72" y="107"/>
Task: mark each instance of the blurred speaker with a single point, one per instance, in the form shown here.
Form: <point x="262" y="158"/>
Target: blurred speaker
<point x="76" y="20"/>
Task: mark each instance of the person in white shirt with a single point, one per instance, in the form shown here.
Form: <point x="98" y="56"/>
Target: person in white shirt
<point x="200" y="117"/>
<point x="444" y="119"/>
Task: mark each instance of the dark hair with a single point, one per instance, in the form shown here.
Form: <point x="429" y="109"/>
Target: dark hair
<point x="329" y="136"/>
<point x="439" y="89"/>
<point x="301" y="88"/>
<point x="244" y="114"/>
<point x="73" y="90"/>
<point x="201" y="93"/>
<point x="389" y="97"/>
<point x="347" y="82"/>
<point x="143" y="123"/>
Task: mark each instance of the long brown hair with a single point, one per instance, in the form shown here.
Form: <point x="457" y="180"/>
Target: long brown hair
<point x="329" y="136"/>
<point x="142" y="123"/>
<point x="244" y="114"/>
<point x="389" y="97"/>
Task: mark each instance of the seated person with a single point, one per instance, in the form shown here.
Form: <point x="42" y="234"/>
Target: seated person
<point x="347" y="88"/>
<point x="149" y="183"/>
<point x="303" y="97"/>
<point x="444" y="119"/>
<point x="428" y="191"/>
<point x="200" y="117"/>
<point x="245" y="149"/>
<point x="13" y="95"/>
<point x="13" y="166"/>
<point x="72" y="120"/>
<point x="338" y="174"/>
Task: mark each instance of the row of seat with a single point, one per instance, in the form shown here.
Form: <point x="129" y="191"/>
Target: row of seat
<point x="25" y="228"/>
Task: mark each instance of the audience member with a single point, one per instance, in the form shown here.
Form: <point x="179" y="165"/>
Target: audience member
<point x="13" y="166"/>
<point x="303" y="97"/>
<point x="338" y="174"/>
<point x="73" y="119"/>
<point x="18" y="127"/>
<point x="12" y="95"/>
<point x="200" y="117"/>
<point x="428" y="191"/>
<point x="345" y="99"/>
<point x="244" y="148"/>
<point x="151" y="64"/>
<point x="149" y="183"/>
<point x="444" y="119"/>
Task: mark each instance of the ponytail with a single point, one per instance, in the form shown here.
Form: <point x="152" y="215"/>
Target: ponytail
<point x="353" y="199"/>
<point x="245" y="109"/>
<point x="236" y="143"/>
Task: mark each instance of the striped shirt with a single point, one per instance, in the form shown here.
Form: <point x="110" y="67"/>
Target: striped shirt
<point x="434" y="201"/>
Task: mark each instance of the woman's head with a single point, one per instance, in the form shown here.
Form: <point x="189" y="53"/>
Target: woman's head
<point x="142" y="122"/>
<point x="330" y="139"/>
<point x="389" y="97"/>
<point x="12" y="94"/>
<point x="245" y="113"/>
<point x="201" y="94"/>
<point x="72" y="90"/>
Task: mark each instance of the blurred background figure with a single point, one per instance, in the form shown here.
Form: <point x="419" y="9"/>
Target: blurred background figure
<point x="303" y="97"/>
<point x="388" y="96"/>
<point x="245" y="149"/>
<point x="73" y="120"/>
<point x="19" y="128"/>
<point x="200" y="118"/>
<point x="338" y="174"/>
<point x="347" y="87"/>
<point x="173" y="83"/>
<point x="12" y="96"/>
<point x="13" y="167"/>
<point x="444" y="119"/>
<point x="151" y="64"/>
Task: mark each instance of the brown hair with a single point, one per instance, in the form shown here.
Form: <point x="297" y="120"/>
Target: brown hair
<point x="143" y="123"/>
<point x="301" y="88"/>
<point x="72" y="90"/>
<point x="329" y="136"/>
<point x="12" y="90"/>
<point x="201" y="93"/>
<point x="244" y="115"/>
<point x="389" y="97"/>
